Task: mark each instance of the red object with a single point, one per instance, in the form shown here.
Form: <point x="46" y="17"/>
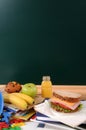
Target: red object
<point x="61" y="105"/>
<point x="16" y="121"/>
<point x="33" y="117"/>
<point x="3" y="125"/>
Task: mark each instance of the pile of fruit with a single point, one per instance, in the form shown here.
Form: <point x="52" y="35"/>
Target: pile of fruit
<point x="20" y="96"/>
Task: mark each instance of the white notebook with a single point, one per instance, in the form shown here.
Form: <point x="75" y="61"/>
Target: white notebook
<point x="70" y="119"/>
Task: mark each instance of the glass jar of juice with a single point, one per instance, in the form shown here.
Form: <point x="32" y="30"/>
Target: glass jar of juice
<point x="46" y="87"/>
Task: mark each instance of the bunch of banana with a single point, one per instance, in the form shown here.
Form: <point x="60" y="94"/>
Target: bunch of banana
<point x="20" y="100"/>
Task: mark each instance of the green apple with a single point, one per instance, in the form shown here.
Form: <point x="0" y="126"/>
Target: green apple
<point x="29" y="89"/>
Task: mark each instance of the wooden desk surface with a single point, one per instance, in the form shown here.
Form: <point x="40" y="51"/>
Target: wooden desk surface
<point x="73" y="88"/>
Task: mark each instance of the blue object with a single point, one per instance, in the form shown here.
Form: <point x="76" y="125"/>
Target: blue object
<point x="1" y="103"/>
<point x="5" y="116"/>
<point x="42" y="125"/>
<point x="4" y="113"/>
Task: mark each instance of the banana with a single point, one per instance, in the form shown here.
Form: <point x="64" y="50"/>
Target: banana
<point x="25" y="97"/>
<point x="6" y="97"/>
<point x="18" y="102"/>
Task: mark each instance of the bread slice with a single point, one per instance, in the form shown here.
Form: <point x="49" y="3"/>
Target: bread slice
<point x="67" y="95"/>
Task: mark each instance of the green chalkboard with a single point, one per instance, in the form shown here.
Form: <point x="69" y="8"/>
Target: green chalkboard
<point x="43" y="37"/>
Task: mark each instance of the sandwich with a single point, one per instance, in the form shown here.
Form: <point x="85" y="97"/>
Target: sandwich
<point x="65" y="101"/>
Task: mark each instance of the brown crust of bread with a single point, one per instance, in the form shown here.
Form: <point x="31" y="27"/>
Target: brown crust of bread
<point x="67" y="96"/>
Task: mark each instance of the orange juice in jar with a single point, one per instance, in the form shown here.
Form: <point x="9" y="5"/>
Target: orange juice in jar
<point x="46" y="87"/>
